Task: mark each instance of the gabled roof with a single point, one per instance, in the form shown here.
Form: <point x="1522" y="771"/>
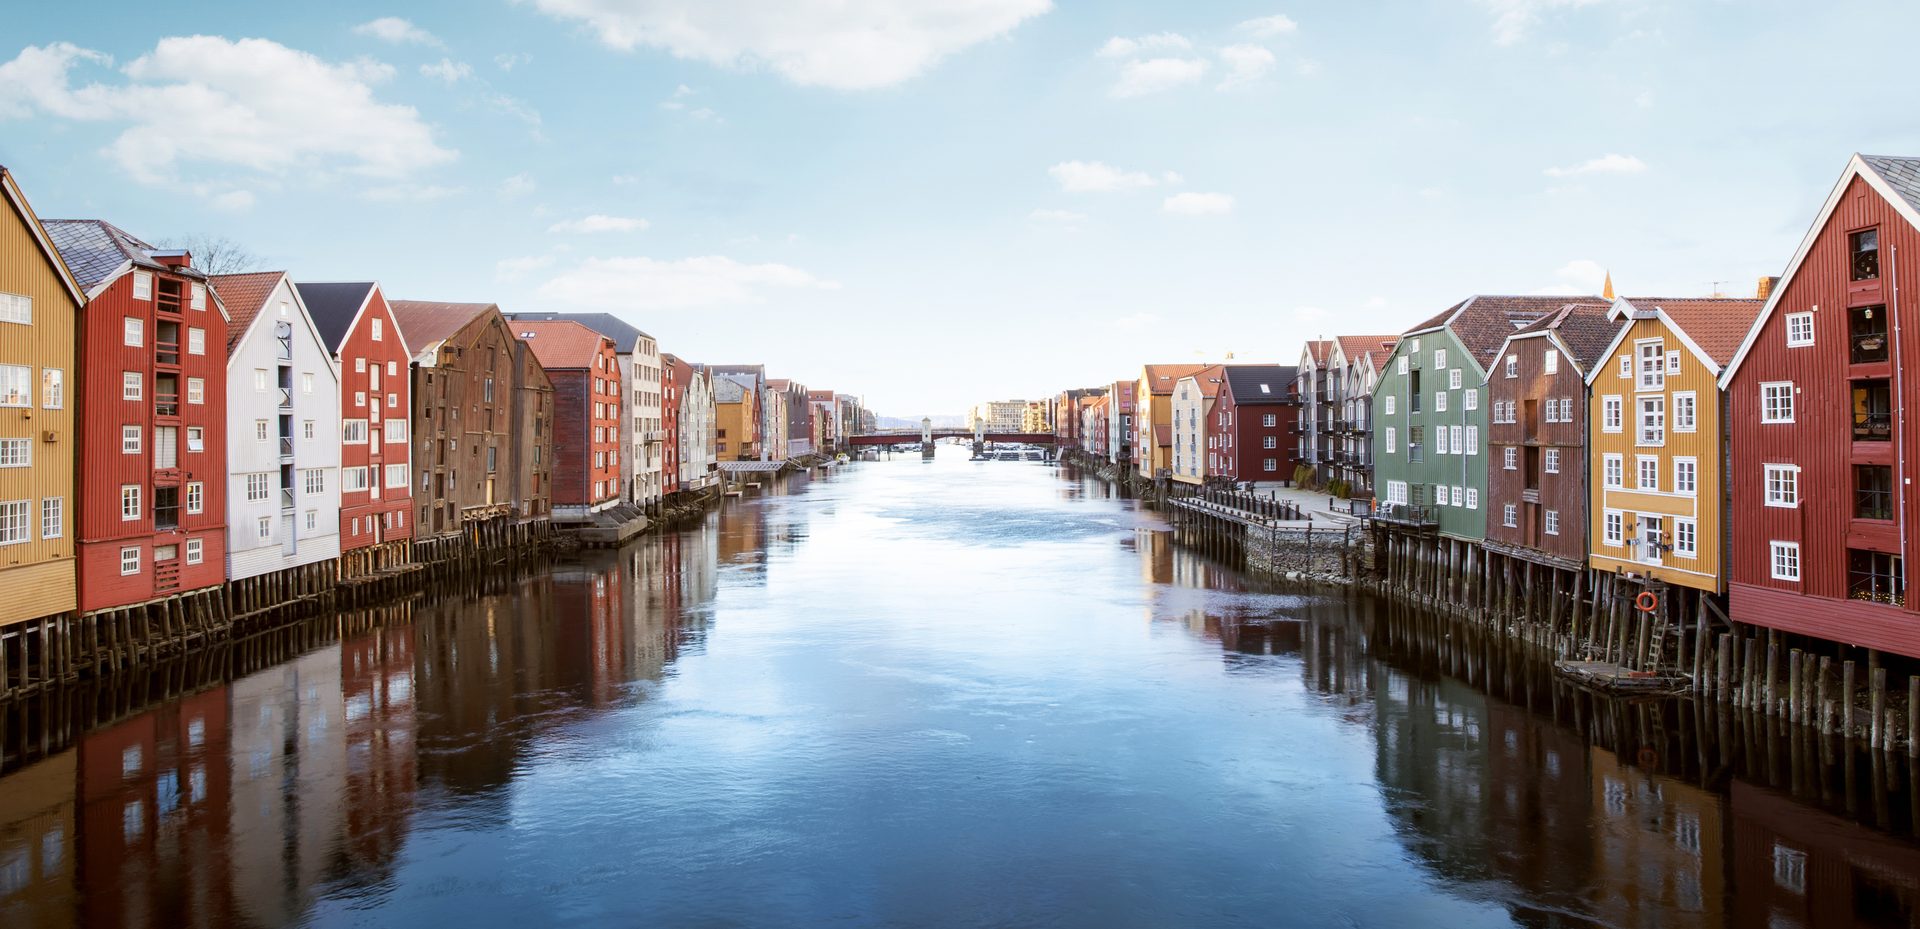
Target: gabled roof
<point x="427" y="323"/>
<point x="18" y="199"/>
<point x="1895" y="179"/>
<point x="1582" y="331"/>
<point x="95" y="250"/>
<point x="820" y="396"/>
<point x="334" y="306"/>
<point x="1161" y="378"/>
<point x="244" y="295"/>
<point x="1210" y="378"/>
<point x="624" y="335"/>
<point x="1711" y="328"/>
<point x="1251" y="384"/>
<point x="728" y="390"/>
<point x="561" y="345"/>
<point x="1374" y="347"/>
<point x="1483" y="322"/>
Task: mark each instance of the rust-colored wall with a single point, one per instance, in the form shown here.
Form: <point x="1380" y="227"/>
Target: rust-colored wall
<point x="1565" y="492"/>
<point x="369" y="517"/>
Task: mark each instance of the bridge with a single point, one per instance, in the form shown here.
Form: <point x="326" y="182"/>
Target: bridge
<point x="911" y="436"/>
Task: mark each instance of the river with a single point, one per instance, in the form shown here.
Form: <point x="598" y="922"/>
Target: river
<point x="918" y="694"/>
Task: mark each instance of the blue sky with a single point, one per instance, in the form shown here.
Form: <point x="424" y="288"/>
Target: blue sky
<point x="934" y="202"/>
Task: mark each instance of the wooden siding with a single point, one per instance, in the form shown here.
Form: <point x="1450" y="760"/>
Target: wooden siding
<point x="38" y="574"/>
<point x="1820" y="440"/>
<point x="1529" y="487"/>
<point x="579" y="485"/>
<point x="456" y="428"/>
<point x="105" y="468"/>
<point x="1243" y="459"/>
<point x="1703" y="444"/>
<point x="379" y="513"/>
<point x="1434" y="470"/>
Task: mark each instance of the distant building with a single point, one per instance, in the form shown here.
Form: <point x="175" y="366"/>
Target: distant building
<point x="1353" y="371"/>
<point x="1253" y="434"/>
<point x="736" y="418"/>
<point x="588" y="408"/>
<point x="1195" y="452"/>
<point x="1120" y="421"/>
<point x="1153" y="416"/>
<point x="1314" y="375"/>
<point x="642" y="426"/>
<point x="1002" y="416"/>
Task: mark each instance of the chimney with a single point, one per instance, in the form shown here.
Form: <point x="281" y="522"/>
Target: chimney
<point x="173" y="258"/>
<point x="1766" y="286"/>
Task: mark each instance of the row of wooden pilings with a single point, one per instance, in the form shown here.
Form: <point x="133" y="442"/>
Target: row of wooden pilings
<point x="60" y="649"/>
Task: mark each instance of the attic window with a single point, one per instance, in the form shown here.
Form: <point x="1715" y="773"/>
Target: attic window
<point x="1265" y="389"/>
<point x="526" y="335"/>
<point x="1864" y="247"/>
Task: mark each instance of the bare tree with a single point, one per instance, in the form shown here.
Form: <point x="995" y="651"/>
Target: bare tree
<point x="215" y="254"/>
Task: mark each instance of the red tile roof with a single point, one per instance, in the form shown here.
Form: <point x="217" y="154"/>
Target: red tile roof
<point x="1376" y="347"/>
<point x="1161" y="378"/>
<point x="1210" y="379"/>
<point x="425" y="322"/>
<point x="244" y="296"/>
<point x="562" y="344"/>
<point x="1718" y="325"/>
<point x="1319" y="349"/>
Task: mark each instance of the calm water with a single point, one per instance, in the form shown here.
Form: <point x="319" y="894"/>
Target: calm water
<point x="912" y="694"/>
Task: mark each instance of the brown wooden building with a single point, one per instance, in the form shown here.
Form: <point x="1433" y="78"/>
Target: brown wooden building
<point x="1537" y="432"/>
<point x="482" y="417"/>
<point x="587" y="414"/>
<point x="1820" y="451"/>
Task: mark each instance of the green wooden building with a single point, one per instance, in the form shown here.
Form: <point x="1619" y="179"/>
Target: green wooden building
<point x="1430" y="414"/>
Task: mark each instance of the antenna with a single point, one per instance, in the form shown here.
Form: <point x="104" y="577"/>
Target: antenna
<point x="1715" y="285"/>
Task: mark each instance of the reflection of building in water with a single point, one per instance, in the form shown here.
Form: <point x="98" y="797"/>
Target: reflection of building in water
<point x="1661" y="847"/>
<point x="288" y="764"/>
<point x="483" y="668"/>
<point x="1797" y="867"/>
<point x="376" y="683"/>
<point x="153" y="839"/>
<point x="37" y="844"/>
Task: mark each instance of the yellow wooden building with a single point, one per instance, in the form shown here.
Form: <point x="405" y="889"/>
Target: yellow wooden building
<point x="39" y="315"/>
<point x="1153" y="416"/>
<point x="1654" y="439"/>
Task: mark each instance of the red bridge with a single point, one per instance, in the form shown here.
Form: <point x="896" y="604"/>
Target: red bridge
<point x="913" y="437"/>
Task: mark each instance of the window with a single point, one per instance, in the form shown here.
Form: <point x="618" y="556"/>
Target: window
<point x="393" y="369"/>
<point x="1867" y="334"/>
<point x="379" y="331"/>
<point x="262" y="430"/>
<point x="315" y="481"/>
<point x="143" y="285"/>
<point x="1400" y="365"/>
<point x="53" y="517"/>
<point x="1550" y="361"/>
<point x="1653" y="364"/>
<point x="1776" y="402"/>
<point x="306" y="382"/>
<point x="1673" y="364"/>
<point x="1269" y="442"/>
<point x="1473" y="499"/>
<point x="257" y="487"/>
<point x="196" y="390"/>
<point x="53" y="388"/>
<point x="1610" y="414"/>
<point x="1457" y="496"/>
<point x="1786" y="561"/>
<point x="1440" y="444"/>
<point x="130" y="560"/>
<point x="1626" y="365"/>
<point x="1439" y="358"/>
<point x="360" y="366"/>
<point x="129" y="501"/>
<point x="1453" y="379"/>
<point x="1612" y="531"/>
<point x="1389" y="433"/>
<point x="1872" y="411"/>
<point x="198" y="300"/>
<point x="1439" y="401"/>
<point x="1683" y="412"/>
<point x="353" y="479"/>
<point x="1876" y="577"/>
<point x="1686" y="476"/>
<point x="1864" y="249"/>
<point x="1872" y="492"/>
<point x="130" y="440"/>
<point x="1270" y="464"/>
<point x="1686" y="538"/>
<point x="1513" y="365"/>
<point x="196" y="549"/>
<point x="359" y="398"/>
<point x="306" y="428"/>
<point x="393" y="401"/>
<point x="196" y="496"/>
<point x="16" y="308"/>
<point x="134" y="331"/>
<point x="1510" y="516"/>
<point x="1471" y="398"/>
<point x="263" y="528"/>
<point x="196" y="439"/>
<point x="1613" y="468"/>
<point x="1389" y="404"/>
<point x="13" y="522"/>
<point x="1799" y="330"/>
<point x="1553" y="461"/>
<point x="1511" y="458"/>
<point x="313" y="519"/>
<point x="353" y="432"/>
<point x="1648" y="472"/>
<point x="1473" y="440"/>
<point x="1552" y="520"/>
<point x="196" y="340"/>
<point x="1783" y="484"/>
<point x="1653" y="421"/>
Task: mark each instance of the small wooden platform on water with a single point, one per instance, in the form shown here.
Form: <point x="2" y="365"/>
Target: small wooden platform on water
<point x="1615" y="679"/>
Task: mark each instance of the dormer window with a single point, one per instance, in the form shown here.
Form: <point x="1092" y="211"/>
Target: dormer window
<point x="1864" y="249"/>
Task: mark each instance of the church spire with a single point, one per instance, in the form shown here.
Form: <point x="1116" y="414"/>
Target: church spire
<point x="1607" y="289"/>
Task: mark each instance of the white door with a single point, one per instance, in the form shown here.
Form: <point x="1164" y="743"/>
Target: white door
<point x="1652" y="534"/>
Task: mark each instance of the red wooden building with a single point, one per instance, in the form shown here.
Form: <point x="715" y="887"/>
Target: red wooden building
<point x="675" y="374"/>
<point x="153" y="414"/>
<point x="376" y="479"/>
<point x="1255" y="425"/>
<point x="587" y="471"/>
<point x="1820" y="449"/>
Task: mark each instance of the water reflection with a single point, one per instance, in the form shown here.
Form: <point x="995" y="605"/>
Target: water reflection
<point x="920" y="694"/>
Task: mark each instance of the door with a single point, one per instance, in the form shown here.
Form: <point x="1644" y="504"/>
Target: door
<point x="1652" y="536"/>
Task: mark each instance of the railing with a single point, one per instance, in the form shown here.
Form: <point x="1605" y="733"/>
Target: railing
<point x="167" y="353"/>
<point x="1872" y="427"/>
<point x="1876" y="587"/>
<point x="285" y="349"/>
<point x="1872" y="504"/>
<point x="286" y="446"/>
<point x="166" y="404"/>
<point x="1867" y="347"/>
<point x="166" y="517"/>
<point x="1412" y="514"/>
<point x="286" y="498"/>
<point x="286" y="398"/>
<point x="1416" y="452"/>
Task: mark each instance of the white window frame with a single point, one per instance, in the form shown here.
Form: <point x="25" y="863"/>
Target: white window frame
<point x="1510" y="516"/>
<point x="1471" y="398"/>
<point x="1550" y="361"/>
<point x="196" y="496"/>
<point x="1390" y="434"/>
<point x="1780" y="485"/>
<point x="196" y="551"/>
<point x="1776" y="390"/>
<point x="1688" y="467"/>
<point x="53" y="388"/>
<point x="133" y="332"/>
<point x="1613" y="470"/>
<point x="196" y="391"/>
<point x="1510" y="458"/>
<point x="1473" y="498"/>
<point x="1388" y="401"/>
<point x="129" y="560"/>
<point x="53" y="517"/>
<point x="16" y="522"/>
<point x="1613" y="528"/>
<point x="1453" y="379"/>
<point x="133" y="385"/>
<point x="16" y="308"/>
<point x="130" y="501"/>
<point x="1513" y="366"/>
<point x="1550" y="522"/>
<point x="1804" y="323"/>
<point x="1783" y="560"/>
<point x="143" y="285"/>
<point x="1439" y="401"/>
<point x="1550" y="460"/>
<point x="1651" y="365"/>
<point x="1686" y="538"/>
<point x="258" y="488"/>
<point x="1643" y="466"/>
<point x="196" y="340"/>
<point x="1644" y="435"/>
<point x="1612" y="413"/>
<point x="130" y="440"/>
<point x="1688" y="401"/>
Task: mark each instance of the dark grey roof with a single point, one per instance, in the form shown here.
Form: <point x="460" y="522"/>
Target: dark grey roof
<point x="1244" y="381"/>
<point x="333" y="306"/>
<point x="94" y="248"/>
<point x="624" y="335"/>
<point x="1901" y="174"/>
<point x="1584" y="327"/>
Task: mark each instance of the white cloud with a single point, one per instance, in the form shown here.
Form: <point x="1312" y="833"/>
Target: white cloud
<point x="398" y="31"/>
<point x="1173" y="178"/>
<point x="512" y="107"/>
<point x="1097" y="177"/>
<point x="409" y="193"/>
<point x="1120" y="47"/>
<point x="447" y="71"/>
<point x="509" y="269"/>
<point x="1269" y="27"/>
<point x="507" y="61"/>
<point x="233" y="201"/>
<point x="1245" y="64"/>
<point x="252" y="104"/>
<point x="844" y="44"/>
<point x="1605" y="164"/>
<point x="588" y="225"/>
<point x="1057" y="217"/>
<point x="518" y="185"/>
<point x="652" y="284"/>
<point x="1513" y="20"/>
<point x="1194" y="203"/>
<point x="1152" y="75"/>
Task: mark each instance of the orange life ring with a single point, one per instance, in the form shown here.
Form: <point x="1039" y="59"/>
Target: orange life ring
<point x="1646" y="602"/>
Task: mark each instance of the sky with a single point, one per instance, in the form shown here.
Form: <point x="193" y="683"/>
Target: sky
<point x="932" y="203"/>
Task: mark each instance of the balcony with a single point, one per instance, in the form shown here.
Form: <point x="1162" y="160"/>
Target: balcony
<point x="286" y="399"/>
<point x="1418" y="516"/>
<point x="1867" y="334"/>
<point x="166" y="353"/>
<point x="286" y="446"/>
<point x="286" y="498"/>
<point x="166" y="404"/>
<point x="1872" y="411"/>
<point x="1872" y="427"/>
